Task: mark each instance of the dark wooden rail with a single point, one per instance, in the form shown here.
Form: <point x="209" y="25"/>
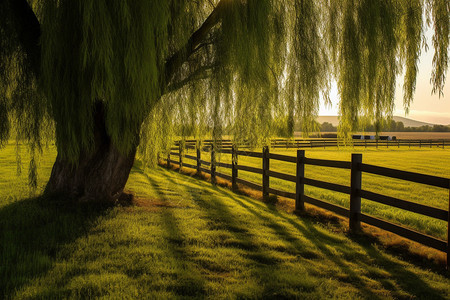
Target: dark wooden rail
<point x="327" y="163"/>
<point x="354" y="190"/>
<point x="409" y="176"/>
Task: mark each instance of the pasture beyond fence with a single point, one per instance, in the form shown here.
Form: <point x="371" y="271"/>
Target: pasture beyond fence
<point x="355" y="191"/>
<point x="328" y="142"/>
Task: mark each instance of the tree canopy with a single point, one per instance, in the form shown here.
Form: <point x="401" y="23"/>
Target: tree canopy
<point x="208" y="67"/>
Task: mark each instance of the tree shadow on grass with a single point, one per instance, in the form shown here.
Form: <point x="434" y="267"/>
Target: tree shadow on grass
<point x="392" y="274"/>
<point x="32" y="233"/>
<point x="407" y="281"/>
<point x="189" y="282"/>
<point x="262" y="263"/>
<point x="320" y="240"/>
<point x="221" y="217"/>
<point x="217" y="217"/>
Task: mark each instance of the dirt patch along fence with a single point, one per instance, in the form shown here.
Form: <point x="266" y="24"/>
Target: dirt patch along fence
<point x="354" y="191"/>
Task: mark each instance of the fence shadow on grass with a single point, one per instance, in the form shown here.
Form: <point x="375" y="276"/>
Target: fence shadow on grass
<point x="32" y="233"/>
<point x="190" y="282"/>
<point x="391" y="273"/>
<point x="407" y="280"/>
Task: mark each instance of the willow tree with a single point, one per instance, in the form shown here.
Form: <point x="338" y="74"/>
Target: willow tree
<point x="108" y="79"/>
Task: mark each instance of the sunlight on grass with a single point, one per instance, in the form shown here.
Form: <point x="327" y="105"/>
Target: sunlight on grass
<point x="426" y="161"/>
<point x="186" y="238"/>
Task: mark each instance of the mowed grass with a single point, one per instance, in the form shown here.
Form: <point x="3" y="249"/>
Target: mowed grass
<point x="426" y="161"/>
<point x="183" y="238"/>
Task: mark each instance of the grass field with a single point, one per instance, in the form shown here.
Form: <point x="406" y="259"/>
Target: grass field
<point x="183" y="238"/>
<point x="426" y="161"/>
<point x="402" y="135"/>
<point x="417" y="135"/>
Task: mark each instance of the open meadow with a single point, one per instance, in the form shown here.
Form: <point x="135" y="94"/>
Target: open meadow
<point x="404" y="135"/>
<point x="182" y="237"/>
<point x="417" y="135"/>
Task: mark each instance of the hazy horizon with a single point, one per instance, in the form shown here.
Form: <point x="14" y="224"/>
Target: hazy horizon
<point x="426" y="107"/>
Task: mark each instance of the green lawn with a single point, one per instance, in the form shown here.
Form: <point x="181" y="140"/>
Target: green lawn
<point x="427" y="161"/>
<point x="185" y="238"/>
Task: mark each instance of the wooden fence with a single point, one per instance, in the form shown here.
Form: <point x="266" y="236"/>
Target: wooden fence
<point x="327" y="142"/>
<point x="355" y="191"/>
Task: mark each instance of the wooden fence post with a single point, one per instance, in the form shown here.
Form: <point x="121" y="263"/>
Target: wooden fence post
<point x="448" y="233"/>
<point x="265" y="175"/>
<point x="234" y="170"/>
<point x="213" y="165"/>
<point x="199" y="164"/>
<point x="299" y="184"/>
<point x="355" y="198"/>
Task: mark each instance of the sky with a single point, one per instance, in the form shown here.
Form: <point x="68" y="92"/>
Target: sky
<point x="426" y="107"/>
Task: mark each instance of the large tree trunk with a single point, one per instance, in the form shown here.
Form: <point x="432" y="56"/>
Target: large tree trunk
<point x="100" y="175"/>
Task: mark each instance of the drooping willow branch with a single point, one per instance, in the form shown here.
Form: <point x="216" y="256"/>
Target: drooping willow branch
<point x="176" y="60"/>
<point x="28" y="32"/>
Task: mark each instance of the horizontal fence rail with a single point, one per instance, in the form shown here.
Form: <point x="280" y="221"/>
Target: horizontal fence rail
<point x="282" y="176"/>
<point x="249" y="169"/>
<point x="283" y="157"/>
<point x="328" y="186"/>
<point x="342" y="211"/>
<point x="405" y="232"/>
<point x="327" y="163"/>
<point x="409" y="176"/>
<point x="355" y="191"/>
<point x="406" y="205"/>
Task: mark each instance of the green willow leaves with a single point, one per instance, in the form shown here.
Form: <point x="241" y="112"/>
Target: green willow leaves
<point x="262" y="67"/>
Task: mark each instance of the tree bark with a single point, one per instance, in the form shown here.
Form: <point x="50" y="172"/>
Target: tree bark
<point x="99" y="175"/>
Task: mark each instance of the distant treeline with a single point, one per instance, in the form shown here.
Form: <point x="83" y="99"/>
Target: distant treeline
<point x="392" y="126"/>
